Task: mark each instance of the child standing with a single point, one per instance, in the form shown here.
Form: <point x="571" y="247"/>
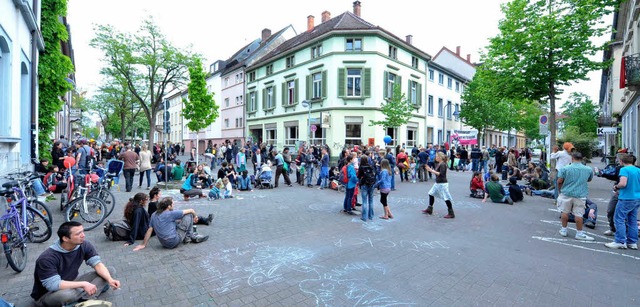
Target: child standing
<point x="412" y="168"/>
<point x="385" y="187"/>
<point x="441" y="187"/>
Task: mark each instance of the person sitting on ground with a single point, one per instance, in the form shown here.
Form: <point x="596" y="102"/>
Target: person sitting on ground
<point x="477" y="185"/>
<point x="245" y="181"/>
<point x="228" y="188"/>
<point x="191" y="186"/>
<point x="215" y="191"/>
<point x="160" y="170"/>
<point x="54" y="181"/>
<point x="222" y="172"/>
<point x="204" y="177"/>
<point x="515" y="191"/>
<point x="231" y="174"/>
<point x="541" y="180"/>
<point x="177" y="172"/>
<point x="137" y="217"/>
<point x="590" y="215"/>
<point x="56" y="281"/>
<point x="173" y="226"/>
<point x="154" y="197"/>
<point x="530" y="172"/>
<point x="495" y="190"/>
<point x="517" y="174"/>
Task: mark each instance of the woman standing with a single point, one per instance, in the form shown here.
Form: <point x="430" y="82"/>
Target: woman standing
<point x="241" y="160"/>
<point x="441" y="187"/>
<point x="351" y="186"/>
<point x="57" y="155"/>
<point x="145" y="166"/>
<point x="385" y="187"/>
<point x="402" y="166"/>
<point x="324" y="169"/>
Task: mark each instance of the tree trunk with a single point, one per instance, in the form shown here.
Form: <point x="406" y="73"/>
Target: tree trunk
<point x="122" y="128"/>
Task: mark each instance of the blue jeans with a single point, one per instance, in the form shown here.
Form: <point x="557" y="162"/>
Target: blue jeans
<point x="626" y="221"/>
<point x="393" y="177"/>
<point x="324" y="177"/>
<point x="367" y="201"/>
<point x="148" y="173"/>
<point x="309" y="174"/>
<point x="38" y="187"/>
<point x="462" y="164"/>
<point x="484" y="167"/>
<point x="474" y="164"/>
<point x="348" y="197"/>
<point x="245" y="183"/>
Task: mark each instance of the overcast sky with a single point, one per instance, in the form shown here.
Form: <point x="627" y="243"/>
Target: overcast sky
<point x="216" y="29"/>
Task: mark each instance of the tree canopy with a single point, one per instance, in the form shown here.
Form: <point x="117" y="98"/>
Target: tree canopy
<point x="397" y="110"/>
<point x="200" y="109"/>
<point x="582" y="114"/>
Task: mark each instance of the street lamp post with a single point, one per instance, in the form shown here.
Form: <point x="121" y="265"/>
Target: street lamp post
<point x="307" y="105"/>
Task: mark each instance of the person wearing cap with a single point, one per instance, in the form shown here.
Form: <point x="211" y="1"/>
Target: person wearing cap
<point x="563" y="158"/>
<point x="573" y="189"/>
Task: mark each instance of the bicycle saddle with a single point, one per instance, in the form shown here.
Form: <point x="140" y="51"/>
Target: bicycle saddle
<point x="6" y="192"/>
<point x="10" y="184"/>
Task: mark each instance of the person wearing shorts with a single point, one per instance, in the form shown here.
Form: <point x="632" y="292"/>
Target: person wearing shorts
<point x="573" y="189"/>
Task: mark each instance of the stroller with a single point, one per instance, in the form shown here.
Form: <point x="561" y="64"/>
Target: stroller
<point x="114" y="168"/>
<point x="263" y="179"/>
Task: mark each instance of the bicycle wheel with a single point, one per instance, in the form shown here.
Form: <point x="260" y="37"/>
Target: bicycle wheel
<point x="44" y="209"/>
<point x="15" y="248"/>
<point x="39" y="226"/>
<point x="90" y="211"/>
<point x="107" y="197"/>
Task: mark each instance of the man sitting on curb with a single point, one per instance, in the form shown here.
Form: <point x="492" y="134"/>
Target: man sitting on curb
<point x="173" y="226"/>
<point x="496" y="191"/>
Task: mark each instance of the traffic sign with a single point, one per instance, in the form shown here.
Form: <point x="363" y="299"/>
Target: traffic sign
<point x="314" y="128"/>
<point x="543" y="119"/>
<point x="607" y="130"/>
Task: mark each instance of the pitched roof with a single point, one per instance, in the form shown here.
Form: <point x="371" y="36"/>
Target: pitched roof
<point x="344" y="22"/>
<point x="239" y="58"/>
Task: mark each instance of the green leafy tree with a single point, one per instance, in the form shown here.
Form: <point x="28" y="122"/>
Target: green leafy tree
<point x="397" y="110"/>
<point x="53" y="69"/>
<point x="584" y="143"/>
<point x="148" y="63"/>
<point x="116" y="106"/>
<point x="581" y="113"/>
<point x="200" y="109"/>
<point x="545" y="45"/>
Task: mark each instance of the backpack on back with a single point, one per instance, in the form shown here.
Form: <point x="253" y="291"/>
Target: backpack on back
<point x="117" y="231"/>
<point x="368" y="176"/>
<point x="343" y="175"/>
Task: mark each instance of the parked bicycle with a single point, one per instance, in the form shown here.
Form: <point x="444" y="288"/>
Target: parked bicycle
<point x="101" y="182"/>
<point x="27" y="180"/>
<point x="20" y="224"/>
<point x="77" y="203"/>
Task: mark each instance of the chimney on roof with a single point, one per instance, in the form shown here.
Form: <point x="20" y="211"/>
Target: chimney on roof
<point x="468" y="58"/>
<point x="458" y="50"/>
<point x="326" y="16"/>
<point x="409" y="39"/>
<point x="356" y="8"/>
<point x="310" y="23"/>
<point x="266" y="33"/>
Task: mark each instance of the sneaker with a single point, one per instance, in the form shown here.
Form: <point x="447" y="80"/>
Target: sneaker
<point x="186" y="240"/>
<point x="590" y="224"/>
<point x="633" y="246"/>
<point x="583" y="237"/>
<point x="610" y="233"/>
<point x="209" y="219"/>
<point x="616" y="245"/>
<point x="199" y="238"/>
<point x="510" y="201"/>
<point x="563" y="232"/>
<point x="351" y="213"/>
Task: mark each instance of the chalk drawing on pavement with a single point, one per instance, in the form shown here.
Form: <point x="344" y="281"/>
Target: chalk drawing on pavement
<point x="410" y="245"/>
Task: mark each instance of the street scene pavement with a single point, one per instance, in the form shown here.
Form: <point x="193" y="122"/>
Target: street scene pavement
<point x="291" y="246"/>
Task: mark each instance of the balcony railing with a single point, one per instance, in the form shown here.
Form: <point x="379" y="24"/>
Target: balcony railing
<point x="632" y="69"/>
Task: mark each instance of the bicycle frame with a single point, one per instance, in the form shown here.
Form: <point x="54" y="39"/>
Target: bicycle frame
<point x="13" y="214"/>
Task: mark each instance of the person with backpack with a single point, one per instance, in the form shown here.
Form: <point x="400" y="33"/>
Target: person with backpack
<point x="441" y="187"/>
<point x="350" y="179"/>
<point x="403" y="165"/>
<point x="54" y="181"/>
<point x="367" y="178"/>
<point x="137" y="217"/>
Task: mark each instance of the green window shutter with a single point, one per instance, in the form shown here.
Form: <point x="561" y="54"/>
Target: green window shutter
<point x="384" y="85"/>
<point x="419" y="94"/>
<point x="367" y="82"/>
<point x="246" y="105"/>
<point x="296" y="89"/>
<point x="398" y="82"/>
<point x="284" y="93"/>
<point x="324" y="84"/>
<point x="273" y="95"/>
<point x="409" y="93"/>
<point x="342" y="81"/>
<point x="264" y="99"/>
<point x="309" y="87"/>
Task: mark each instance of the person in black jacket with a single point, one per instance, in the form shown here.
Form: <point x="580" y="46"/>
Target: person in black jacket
<point x="137" y="217"/>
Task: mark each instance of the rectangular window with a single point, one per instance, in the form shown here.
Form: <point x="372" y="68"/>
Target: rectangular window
<point x="440" y="107"/>
<point x="271" y="136"/>
<point x="239" y="78"/>
<point x="457" y="86"/>
<point x="270" y="103"/>
<point x="412" y="137"/>
<point x="413" y="93"/>
<point x="432" y="75"/>
<point x="440" y="78"/>
<point x="393" y="52"/>
<point x="226" y="123"/>
<point x="316" y="51"/>
<point x="440" y="136"/>
<point x="353" y="44"/>
<point x="226" y="102"/>
<point x="269" y="69"/>
<point x="252" y="76"/>
<point x="391" y="82"/>
<point x="354" y="79"/>
<point x="226" y="81"/>
<point x="449" y="109"/>
<point x="291" y="61"/>
<point x="291" y="135"/>
<point x="252" y="102"/>
<point x="415" y="62"/>
<point x="449" y="82"/>
<point x="237" y="123"/>
<point x="393" y="133"/>
<point x="353" y="134"/>
<point x="291" y="92"/>
<point x="317" y="85"/>
<point x="457" y="112"/>
<point x="430" y="105"/>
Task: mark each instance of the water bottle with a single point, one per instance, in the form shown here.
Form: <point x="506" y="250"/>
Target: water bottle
<point x="195" y="229"/>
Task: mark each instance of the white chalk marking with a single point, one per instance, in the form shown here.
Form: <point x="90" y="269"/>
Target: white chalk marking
<point x="552" y="240"/>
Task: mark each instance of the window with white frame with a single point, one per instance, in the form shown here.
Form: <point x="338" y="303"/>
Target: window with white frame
<point x="354" y="80"/>
<point x="393" y="52"/>
<point x="440" y="107"/>
<point x="238" y="77"/>
<point x="353" y="134"/>
<point x="448" y="109"/>
<point x="412" y="136"/>
<point x="252" y="102"/>
<point x="457" y="86"/>
<point x="316" y="51"/>
<point x="353" y="44"/>
<point x="319" y="136"/>
<point x="415" y="62"/>
<point x="226" y="102"/>
<point x="316" y="79"/>
<point x="440" y="136"/>
<point x="432" y="75"/>
<point x="271" y="136"/>
<point x="440" y="78"/>
<point x="226" y="123"/>
<point x="251" y="76"/>
<point x="457" y="111"/>
<point x="449" y="82"/>
<point x="393" y="133"/>
<point x="269" y="98"/>
<point x="413" y="92"/>
<point x="391" y="82"/>
<point x="290" y="61"/>
<point x="291" y="92"/>
<point x="269" y="69"/>
<point x="430" y="105"/>
<point x="226" y="81"/>
<point x="290" y="135"/>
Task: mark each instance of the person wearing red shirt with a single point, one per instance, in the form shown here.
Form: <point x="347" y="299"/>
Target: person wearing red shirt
<point x="477" y="185"/>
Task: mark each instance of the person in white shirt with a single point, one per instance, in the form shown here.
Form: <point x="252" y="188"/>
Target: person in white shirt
<point x="563" y="158"/>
